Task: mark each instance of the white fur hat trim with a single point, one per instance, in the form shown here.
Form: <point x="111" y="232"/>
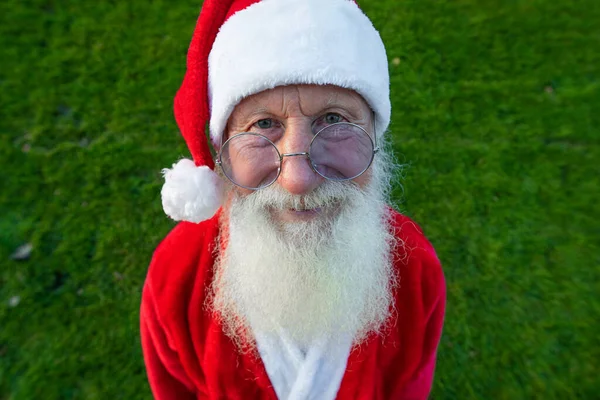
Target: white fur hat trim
<point x="191" y="193"/>
<point x="284" y="42"/>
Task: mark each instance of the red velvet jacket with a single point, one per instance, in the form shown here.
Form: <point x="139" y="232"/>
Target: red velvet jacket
<point x="188" y="356"/>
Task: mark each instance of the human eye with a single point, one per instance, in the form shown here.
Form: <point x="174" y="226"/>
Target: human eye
<point x="326" y="120"/>
<point x="264" y="123"/>
<point x="268" y="127"/>
<point x="333" y="118"/>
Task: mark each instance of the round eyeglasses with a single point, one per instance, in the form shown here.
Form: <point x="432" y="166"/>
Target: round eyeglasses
<point x="338" y="152"/>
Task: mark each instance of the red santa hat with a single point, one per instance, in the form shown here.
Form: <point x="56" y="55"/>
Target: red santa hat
<point x="243" y="47"/>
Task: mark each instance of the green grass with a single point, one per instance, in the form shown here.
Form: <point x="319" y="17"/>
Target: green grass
<point x="496" y="109"/>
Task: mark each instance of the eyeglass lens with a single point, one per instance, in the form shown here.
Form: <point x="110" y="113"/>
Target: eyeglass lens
<point x="338" y="152"/>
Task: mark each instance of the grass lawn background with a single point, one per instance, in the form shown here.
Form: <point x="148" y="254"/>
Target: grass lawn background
<point x="496" y="108"/>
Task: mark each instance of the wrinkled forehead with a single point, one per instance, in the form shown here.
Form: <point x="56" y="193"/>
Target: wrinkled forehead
<point x="307" y="100"/>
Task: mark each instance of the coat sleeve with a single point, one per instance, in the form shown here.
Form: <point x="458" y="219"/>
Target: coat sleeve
<point x="166" y="375"/>
<point x="419" y="386"/>
<point x="434" y="291"/>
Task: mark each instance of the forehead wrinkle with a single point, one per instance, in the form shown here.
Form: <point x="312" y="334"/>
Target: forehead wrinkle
<point x="305" y="92"/>
<point x="259" y="105"/>
<point x="332" y="100"/>
<point x="282" y="105"/>
<point x="246" y="110"/>
<point x="352" y="105"/>
<point x="276" y="102"/>
<point x="291" y="101"/>
<point x="331" y="97"/>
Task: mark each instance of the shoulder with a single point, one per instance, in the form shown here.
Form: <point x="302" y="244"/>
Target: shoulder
<point x="410" y="237"/>
<point x="182" y="264"/>
<point x="418" y="267"/>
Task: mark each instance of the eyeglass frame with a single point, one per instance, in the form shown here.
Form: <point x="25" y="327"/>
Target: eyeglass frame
<point x="302" y="153"/>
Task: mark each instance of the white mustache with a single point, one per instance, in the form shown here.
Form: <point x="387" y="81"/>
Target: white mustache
<point x="326" y="195"/>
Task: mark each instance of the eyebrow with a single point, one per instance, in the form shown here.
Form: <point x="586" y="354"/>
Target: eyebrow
<point x="244" y="117"/>
<point x="332" y="102"/>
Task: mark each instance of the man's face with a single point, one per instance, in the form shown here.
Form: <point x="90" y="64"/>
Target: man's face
<point x="305" y="255"/>
<point x="289" y="116"/>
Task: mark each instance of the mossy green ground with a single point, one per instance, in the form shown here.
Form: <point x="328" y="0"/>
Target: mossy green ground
<point x="496" y="108"/>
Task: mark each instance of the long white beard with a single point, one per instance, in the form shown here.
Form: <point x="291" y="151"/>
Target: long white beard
<point x="327" y="277"/>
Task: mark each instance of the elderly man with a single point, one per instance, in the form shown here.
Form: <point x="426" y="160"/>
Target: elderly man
<point x="290" y="277"/>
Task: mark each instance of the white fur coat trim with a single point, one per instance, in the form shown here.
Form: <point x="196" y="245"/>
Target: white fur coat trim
<point x="313" y="375"/>
<point x="282" y="42"/>
<point x="191" y="193"/>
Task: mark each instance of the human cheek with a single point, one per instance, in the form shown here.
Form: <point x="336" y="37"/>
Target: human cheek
<point x="253" y="165"/>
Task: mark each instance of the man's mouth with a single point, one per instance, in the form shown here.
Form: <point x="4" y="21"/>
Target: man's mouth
<point x="304" y="214"/>
<point x="306" y="210"/>
<point x="296" y="214"/>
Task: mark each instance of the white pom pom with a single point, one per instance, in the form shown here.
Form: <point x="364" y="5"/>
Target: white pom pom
<point x="191" y="193"/>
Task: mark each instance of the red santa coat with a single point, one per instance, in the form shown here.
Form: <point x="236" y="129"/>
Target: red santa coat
<point x="188" y="356"/>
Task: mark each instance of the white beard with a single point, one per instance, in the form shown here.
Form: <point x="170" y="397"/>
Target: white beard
<point x="326" y="277"/>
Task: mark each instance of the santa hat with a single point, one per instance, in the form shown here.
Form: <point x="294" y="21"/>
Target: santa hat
<point x="243" y="47"/>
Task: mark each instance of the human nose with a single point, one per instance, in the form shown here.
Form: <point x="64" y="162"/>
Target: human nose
<point x="297" y="175"/>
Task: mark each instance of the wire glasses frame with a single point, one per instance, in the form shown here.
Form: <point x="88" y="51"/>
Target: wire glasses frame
<point x="373" y="142"/>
